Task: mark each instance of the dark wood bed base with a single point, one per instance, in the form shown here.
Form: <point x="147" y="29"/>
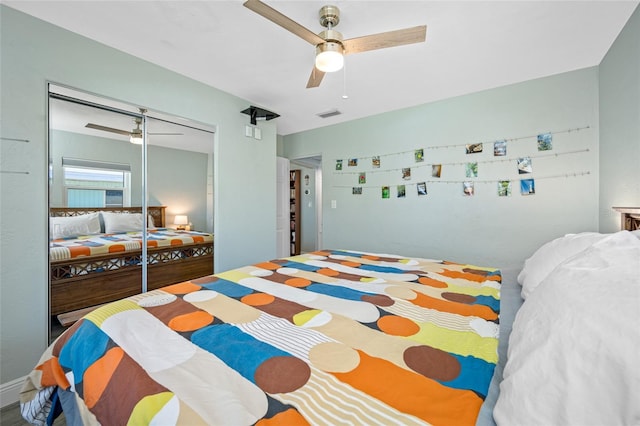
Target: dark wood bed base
<point x="75" y="286"/>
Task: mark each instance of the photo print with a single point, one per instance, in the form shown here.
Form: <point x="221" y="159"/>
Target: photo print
<point x="422" y="188"/>
<point x="474" y="148"/>
<point x="338" y="164"/>
<point x="524" y="165"/>
<point x="386" y="192"/>
<point x="436" y="170"/>
<point x="406" y="173"/>
<point x="504" y="188"/>
<point x="545" y="142"/>
<point x="375" y="162"/>
<point x="527" y="187"/>
<point x="353" y="162"/>
<point x="357" y="190"/>
<point x="467" y="188"/>
<point x="362" y="178"/>
<point x="419" y="155"/>
<point x="500" y="148"/>
<point x="471" y="170"/>
<point x="402" y="191"/>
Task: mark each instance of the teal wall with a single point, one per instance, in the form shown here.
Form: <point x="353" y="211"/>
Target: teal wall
<point x="484" y="229"/>
<point x="620" y="125"/>
<point x="178" y="179"/>
<point x="85" y="147"/>
<point x="34" y="53"/>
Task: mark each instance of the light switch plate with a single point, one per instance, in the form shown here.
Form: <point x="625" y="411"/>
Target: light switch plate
<point x="257" y="133"/>
<point x="248" y="131"/>
<point x="334" y="204"/>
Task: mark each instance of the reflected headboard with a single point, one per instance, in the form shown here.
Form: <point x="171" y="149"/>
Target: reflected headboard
<point x="630" y="220"/>
<point x="157" y="212"/>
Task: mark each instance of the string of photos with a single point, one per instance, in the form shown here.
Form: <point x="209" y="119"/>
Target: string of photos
<point x="523" y="164"/>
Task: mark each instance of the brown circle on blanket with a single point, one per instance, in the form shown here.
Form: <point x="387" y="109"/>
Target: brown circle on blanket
<point x="432" y="363"/>
<point x="282" y="374"/>
<point x="460" y="298"/>
<point x="378" y="299"/>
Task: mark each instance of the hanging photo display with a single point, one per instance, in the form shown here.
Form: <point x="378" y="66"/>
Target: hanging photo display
<point x="524" y="165"/>
<point x="545" y="142"/>
<point x="527" y="187"/>
<point x="467" y="188"/>
<point x="396" y="172"/>
<point x="386" y="192"/>
<point x="473" y="148"/>
<point x="471" y="170"/>
<point x="504" y="188"/>
<point x="500" y="148"/>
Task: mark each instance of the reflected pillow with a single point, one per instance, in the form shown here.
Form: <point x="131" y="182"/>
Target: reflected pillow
<point x="74" y="226"/>
<point x="124" y="222"/>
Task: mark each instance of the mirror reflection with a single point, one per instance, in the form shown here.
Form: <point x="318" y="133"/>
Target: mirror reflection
<point x="97" y="187"/>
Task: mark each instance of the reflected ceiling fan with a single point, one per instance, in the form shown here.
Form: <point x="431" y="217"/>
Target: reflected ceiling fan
<point x="330" y="46"/>
<point x="135" y="135"/>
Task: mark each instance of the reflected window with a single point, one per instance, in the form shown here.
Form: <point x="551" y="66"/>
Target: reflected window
<point x="97" y="186"/>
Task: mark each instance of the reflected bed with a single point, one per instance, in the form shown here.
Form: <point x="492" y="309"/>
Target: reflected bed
<point x="95" y="255"/>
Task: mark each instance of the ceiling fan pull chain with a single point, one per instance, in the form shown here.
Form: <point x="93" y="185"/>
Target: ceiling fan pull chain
<point x="344" y="81"/>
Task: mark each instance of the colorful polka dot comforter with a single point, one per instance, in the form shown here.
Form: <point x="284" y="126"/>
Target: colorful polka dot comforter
<point x="323" y="338"/>
<point x="91" y="245"/>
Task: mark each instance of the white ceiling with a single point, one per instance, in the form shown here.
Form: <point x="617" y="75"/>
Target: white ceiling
<point x="471" y="46"/>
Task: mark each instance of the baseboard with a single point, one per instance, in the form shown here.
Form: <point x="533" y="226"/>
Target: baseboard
<point x="10" y="392"/>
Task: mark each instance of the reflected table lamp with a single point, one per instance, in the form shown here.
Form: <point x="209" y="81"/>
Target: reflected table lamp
<point x="182" y="221"/>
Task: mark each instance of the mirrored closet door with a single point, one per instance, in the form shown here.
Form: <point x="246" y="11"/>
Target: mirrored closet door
<point x="114" y="170"/>
<point x="96" y="197"/>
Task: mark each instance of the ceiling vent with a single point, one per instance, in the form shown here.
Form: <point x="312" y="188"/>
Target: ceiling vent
<point x="328" y="114"/>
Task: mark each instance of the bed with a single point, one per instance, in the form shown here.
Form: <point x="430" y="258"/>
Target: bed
<point x="95" y="255"/>
<point x="344" y="337"/>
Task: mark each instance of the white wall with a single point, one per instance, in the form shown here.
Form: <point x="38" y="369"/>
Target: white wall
<point x="34" y="52"/>
<point x="484" y="229"/>
<point x="620" y="125"/>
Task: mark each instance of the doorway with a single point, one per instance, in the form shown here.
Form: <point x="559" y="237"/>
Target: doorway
<point x="311" y="206"/>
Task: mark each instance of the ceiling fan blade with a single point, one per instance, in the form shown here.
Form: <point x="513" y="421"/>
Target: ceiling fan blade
<point x="108" y="129"/>
<point x="315" y="78"/>
<point x="284" y="21"/>
<point x="384" y="40"/>
<point x="165" y="134"/>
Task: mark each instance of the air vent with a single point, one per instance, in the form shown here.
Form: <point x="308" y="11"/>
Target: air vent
<point x="328" y="114"/>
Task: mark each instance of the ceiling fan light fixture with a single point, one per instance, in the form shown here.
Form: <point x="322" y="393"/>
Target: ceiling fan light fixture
<point x="136" y="137"/>
<point x="329" y="57"/>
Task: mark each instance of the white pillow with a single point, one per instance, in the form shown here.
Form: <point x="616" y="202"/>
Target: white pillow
<point x="121" y="222"/>
<point x="74" y="226"/>
<point x="573" y="351"/>
<point x="546" y="258"/>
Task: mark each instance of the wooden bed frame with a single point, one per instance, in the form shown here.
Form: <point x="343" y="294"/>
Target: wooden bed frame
<point x="74" y="286"/>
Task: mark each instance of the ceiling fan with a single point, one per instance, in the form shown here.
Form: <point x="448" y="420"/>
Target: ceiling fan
<point x="330" y="46"/>
<point x="135" y="135"/>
